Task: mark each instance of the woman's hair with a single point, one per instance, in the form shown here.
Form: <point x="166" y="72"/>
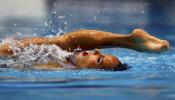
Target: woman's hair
<point x="120" y="67"/>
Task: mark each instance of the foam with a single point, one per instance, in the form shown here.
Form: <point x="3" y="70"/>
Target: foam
<point x="32" y="54"/>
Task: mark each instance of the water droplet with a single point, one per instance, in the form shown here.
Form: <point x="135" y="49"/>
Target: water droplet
<point x="46" y="24"/>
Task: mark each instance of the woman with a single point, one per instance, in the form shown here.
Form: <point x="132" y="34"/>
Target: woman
<point x="91" y="39"/>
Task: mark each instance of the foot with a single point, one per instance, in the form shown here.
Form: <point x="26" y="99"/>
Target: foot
<point x="147" y="43"/>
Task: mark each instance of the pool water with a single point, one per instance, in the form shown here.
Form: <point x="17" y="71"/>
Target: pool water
<point x="151" y="76"/>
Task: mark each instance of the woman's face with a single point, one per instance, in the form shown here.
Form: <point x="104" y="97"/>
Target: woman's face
<point x="94" y="59"/>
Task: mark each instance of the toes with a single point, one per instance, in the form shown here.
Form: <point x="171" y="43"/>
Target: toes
<point x="164" y="46"/>
<point x="166" y="43"/>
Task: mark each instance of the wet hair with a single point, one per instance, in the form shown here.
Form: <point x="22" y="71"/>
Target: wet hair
<point x="120" y="67"/>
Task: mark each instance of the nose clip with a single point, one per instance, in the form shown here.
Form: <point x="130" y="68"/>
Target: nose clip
<point x="77" y="50"/>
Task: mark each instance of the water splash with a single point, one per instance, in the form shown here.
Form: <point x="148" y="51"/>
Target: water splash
<point x="32" y="54"/>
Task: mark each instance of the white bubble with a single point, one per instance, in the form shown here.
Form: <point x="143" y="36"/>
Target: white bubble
<point x="33" y="54"/>
<point x="45" y="23"/>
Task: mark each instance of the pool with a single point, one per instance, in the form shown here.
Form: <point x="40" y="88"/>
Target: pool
<point x="151" y="76"/>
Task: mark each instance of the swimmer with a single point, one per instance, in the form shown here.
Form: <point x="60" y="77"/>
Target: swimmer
<point x="138" y="40"/>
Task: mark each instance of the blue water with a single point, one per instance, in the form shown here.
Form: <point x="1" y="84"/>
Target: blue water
<point x="151" y="76"/>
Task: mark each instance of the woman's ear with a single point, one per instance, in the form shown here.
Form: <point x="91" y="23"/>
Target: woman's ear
<point x="97" y="51"/>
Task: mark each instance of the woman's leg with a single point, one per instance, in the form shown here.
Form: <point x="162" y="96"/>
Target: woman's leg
<point x="90" y="39"/>
<point x="138" y="40"/>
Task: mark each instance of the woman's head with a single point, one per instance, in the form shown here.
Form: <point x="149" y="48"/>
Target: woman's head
<point x="94" y="59"/>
